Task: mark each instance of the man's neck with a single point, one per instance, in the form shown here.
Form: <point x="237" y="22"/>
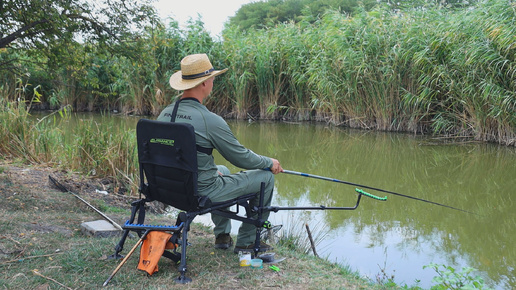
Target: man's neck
<point x="191" y="93"/>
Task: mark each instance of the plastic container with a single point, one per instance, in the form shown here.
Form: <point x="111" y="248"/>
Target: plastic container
<point x="257" y="263"/>
<point x="245" y="259"/>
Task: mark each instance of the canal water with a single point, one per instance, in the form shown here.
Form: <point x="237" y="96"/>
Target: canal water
<point x="398" y="237"/>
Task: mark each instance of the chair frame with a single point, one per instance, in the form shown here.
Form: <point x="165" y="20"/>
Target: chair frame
<point x="194" y="205"/>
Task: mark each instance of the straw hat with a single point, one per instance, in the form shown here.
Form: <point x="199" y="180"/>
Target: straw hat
<point x="195" y="69"/>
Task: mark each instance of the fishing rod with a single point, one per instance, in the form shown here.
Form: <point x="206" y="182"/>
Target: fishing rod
<point x="321" y="207"/>
<point x="64" y="189"/>
<point x="373" y="188"/>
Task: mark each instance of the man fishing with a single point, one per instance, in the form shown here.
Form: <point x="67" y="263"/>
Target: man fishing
<point x="216" y="182"/>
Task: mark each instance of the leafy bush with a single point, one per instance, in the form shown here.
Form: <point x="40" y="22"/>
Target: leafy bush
<point x="450" y="278"/>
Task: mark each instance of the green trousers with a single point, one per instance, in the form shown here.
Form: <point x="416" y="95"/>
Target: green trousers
<point x="235" y="185"/>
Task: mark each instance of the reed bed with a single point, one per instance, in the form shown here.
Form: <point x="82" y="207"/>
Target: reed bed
<point x="429" y="70"/>
<point x="438" y="71"/>
<point x="92" y="148"/>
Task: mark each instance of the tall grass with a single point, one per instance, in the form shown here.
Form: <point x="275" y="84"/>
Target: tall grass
<point x="92" y="148"/>
<point x="104" y="150"/>
<point x="294" y="235"/>
<point x="428" y="70"/>
<point x="465" y="78"/>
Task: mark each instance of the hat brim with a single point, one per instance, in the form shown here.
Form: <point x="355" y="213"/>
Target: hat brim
<point x="178" y="83"/>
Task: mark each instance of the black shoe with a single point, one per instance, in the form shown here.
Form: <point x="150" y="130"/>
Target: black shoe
<point x="223" y="241"/>
<point x="250" y="248"/>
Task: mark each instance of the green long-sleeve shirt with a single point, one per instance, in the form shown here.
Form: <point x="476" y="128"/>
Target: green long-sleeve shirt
<point x="211" y="131"/>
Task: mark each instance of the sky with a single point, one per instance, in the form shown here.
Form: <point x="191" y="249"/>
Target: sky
<point x="214" y="13"/>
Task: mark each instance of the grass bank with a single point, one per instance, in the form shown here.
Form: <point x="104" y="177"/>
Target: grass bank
<point x="42" y="246"/>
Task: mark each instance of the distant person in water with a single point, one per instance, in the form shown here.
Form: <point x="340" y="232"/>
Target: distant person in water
<point x="215" y="181"/>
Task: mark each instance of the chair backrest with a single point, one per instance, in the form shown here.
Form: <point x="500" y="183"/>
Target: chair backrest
<point x="167" y="157"/>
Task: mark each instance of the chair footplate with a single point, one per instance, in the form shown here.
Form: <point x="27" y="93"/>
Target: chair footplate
<point x="130" y="226"/>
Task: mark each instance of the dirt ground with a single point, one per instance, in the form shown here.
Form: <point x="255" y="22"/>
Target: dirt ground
<point x="37" y="177"/>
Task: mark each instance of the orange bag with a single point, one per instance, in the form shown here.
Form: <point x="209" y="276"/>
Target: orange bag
<point x="152" y="248"/>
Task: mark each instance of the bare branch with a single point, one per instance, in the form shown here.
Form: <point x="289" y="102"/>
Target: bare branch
<point x="20" y="33"/>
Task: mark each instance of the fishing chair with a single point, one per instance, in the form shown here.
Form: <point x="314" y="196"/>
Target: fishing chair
<point x="167" y="156"/>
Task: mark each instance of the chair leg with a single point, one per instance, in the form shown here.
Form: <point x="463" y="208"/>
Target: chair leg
<point x="120" y="246"/>
<point x="182" y="279"/>
<point x="260" y="215"/>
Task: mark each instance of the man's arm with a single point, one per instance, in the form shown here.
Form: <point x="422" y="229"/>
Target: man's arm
<point x="230" y="148"/>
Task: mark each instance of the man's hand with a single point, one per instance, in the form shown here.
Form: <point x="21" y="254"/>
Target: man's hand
<point x="276" y="166"/>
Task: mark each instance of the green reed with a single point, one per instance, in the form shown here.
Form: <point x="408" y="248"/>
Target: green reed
<point x="464" y="77"/>
<point x="92" y="148"/>
<point x="102" y="149"/>
<point x="431" y="70"/>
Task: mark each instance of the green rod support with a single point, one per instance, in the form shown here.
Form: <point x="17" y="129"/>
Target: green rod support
<point x="370" y="195"/>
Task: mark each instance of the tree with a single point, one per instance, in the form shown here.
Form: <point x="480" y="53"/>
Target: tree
<point x="45" y="25"/>
<point x="262" y="13"/>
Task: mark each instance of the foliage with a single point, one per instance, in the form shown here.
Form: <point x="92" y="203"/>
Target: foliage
<point x="70" y="48"/>
<point x="261" y="14"/>
<point x="423" y="4"/>
<point x="268" y="13"/>
<point x="449" y="278"/>
<point x="420" y="70"/>
<point x="49" y="27"/>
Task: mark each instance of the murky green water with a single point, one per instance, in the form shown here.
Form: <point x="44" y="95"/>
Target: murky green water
<point x="397" y="237"/>
<point x="400" y="236"/>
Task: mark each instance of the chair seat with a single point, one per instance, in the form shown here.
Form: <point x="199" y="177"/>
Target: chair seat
<point x="242" y="197"/>
<point x="209" y="205"/>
